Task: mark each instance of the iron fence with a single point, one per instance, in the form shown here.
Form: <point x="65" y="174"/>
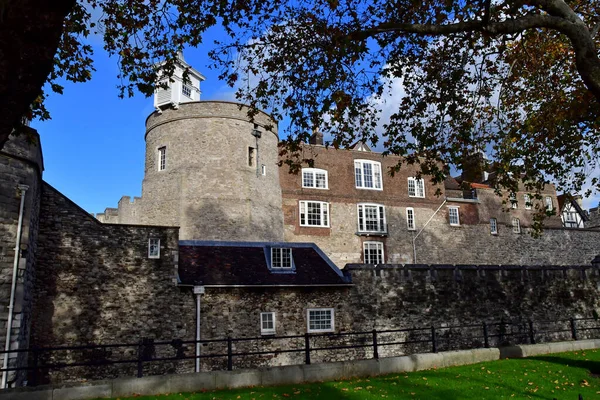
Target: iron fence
<point x="371" y="344"/>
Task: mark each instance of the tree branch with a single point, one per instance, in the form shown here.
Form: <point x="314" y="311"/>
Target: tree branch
<point x="496" y="28"/>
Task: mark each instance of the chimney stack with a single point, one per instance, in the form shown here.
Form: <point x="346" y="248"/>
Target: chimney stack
<point x="316" y="137"/>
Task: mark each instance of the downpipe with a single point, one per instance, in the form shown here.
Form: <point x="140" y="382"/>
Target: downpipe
<point x="11" y="305"/>
<point x="198" y="292"/>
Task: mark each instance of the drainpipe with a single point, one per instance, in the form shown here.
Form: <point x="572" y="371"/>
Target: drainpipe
<point x="417" y="235"/>
<point x="11" y="305"/>
<point x="198" y="291"/>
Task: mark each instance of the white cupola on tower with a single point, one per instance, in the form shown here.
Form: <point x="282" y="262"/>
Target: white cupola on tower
<point x="177" y="91"/>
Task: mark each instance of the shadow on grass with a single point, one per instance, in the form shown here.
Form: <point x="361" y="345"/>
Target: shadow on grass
<point x="592" y="366"/>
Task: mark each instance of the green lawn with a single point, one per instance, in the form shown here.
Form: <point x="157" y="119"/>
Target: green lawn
<point x="560" y="376"/>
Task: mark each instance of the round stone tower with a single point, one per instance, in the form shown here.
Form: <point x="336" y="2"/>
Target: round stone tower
<point x="213" y="173"/>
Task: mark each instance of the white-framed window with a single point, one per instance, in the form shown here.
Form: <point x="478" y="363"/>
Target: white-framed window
<point x="281" y="258"/>
<point x="314" y="213"/>
<point x="373" y="252"/>
<point x="187" y="91"/>
<point x="516" y="225"/>
<point x="453" y="216"/>
<point x="263" y="169"/>
<point x="314" y="178"/>
<point x="416" y="187"/>
<point x="549" y="205"/>
<point x="513" y="200"/>
<point x="570" y="219"/>
<point x="162" y="158"/>
<point x="527" y="200"/>
<point x="154" y="248"/>
<point x="267" y="323"/>
<point x="410" y="219"/>
<point x="320" y="319"/>
<point x="493" y="226"/>
<point x="371" y="218"/>
<point x="367" y="174"/>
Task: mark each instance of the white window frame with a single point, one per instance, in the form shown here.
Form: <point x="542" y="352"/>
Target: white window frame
<point x="153" y="243"/>
<point x="376" y="177"/>
<point x="493" y="226"/>
<point x="281" y="266"/>
<point x="263" y="169"/>
<point x="268" y="331"/>
<point x="312" y="172"/>
<point x="162" y="158"/>
<point x="527" y="200"/>
<point x="186" y="91"/>
<point x="324" y="213"/>
<point x="332" y="318"/>
<point x="516" y="227"/>
<point x="417" y="186"/>
<point x="377" y="245"/>
<point x="381" y="222"/>
<point x="410" y="216"/>
<point x="549" y="203"/>
<point x="450" y="209"/>
<point x="513" y="201"/>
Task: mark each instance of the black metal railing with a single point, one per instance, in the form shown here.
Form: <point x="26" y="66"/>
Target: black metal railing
<point x="329" y="346"/>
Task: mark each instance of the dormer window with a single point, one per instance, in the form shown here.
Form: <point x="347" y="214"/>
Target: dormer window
<point x="281" y="258"/>
<point x="314" y="178"/>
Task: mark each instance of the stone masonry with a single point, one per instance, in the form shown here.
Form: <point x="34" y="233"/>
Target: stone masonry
<point x="20" y="164"/>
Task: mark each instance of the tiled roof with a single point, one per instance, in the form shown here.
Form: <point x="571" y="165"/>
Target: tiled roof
<point x="245" y="264"/>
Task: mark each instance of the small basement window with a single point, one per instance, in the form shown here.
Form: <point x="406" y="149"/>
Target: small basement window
<point x="320" y="320"/>
<point x="267" y="323"/>
<point x="154" y="248"/>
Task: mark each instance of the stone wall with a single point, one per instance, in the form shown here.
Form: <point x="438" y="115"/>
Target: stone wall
<point x="20" y="164"/>
<point x="391" y="297"/>
<point x="96" y="284"/>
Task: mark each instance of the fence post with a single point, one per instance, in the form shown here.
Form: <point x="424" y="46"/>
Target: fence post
<point x="433" y="339"/>
<point x="140" y="365"/>
<point x="573" y="329"/>
<point x="34" y="376"/>
<point x="306" y="349"/>
<point x="375" y="349"/>
<point x="531" y="332"/>
<point x="486" y="340"/>
<point x="229" y="354"/>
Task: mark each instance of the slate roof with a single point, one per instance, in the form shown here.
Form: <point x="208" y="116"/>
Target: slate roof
<point x="209" y="263"/>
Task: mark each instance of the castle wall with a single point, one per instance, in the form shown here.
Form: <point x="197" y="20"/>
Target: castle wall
<point x="96" y="284"/>
<point x="20" y="164"/>
<point x="394" y="296"/>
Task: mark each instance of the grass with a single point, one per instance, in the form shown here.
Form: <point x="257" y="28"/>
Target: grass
<point x="556" y="376"/>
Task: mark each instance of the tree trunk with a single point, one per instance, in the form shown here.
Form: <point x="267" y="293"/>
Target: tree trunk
<point x="30" y="32"/>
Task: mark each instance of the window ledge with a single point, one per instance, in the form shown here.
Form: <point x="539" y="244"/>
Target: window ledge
<point x="376" y="234"/>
